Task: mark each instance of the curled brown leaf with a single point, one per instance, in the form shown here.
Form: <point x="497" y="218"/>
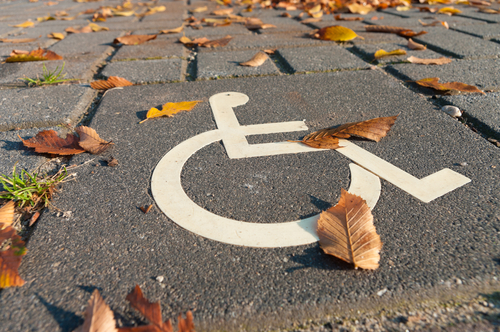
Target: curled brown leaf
<point x="257" y="60"/>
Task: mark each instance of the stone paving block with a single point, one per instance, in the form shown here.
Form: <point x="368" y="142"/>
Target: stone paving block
<point x="40" y="33"/>
<point x="475" y="14"/>
<point x="146" y="71"/>
<point x="6" y="48"/>
<point x="284" y="24"/>
<point x="43" y="107"/>
<point x="481" y="73"/>
<point x="232" y="30"/>
<point x="4" y="31"/>
<point x="368" y="52"/>
<point x="414" y="22"/>
<point x="487" y="31"/>
<point x="60" y="25"/>
<point x="83" y="69"/>
<point x="15" y="153"/>
<point x="78" y="44"/>
<point x="321" y="58"/>
<point x="226" y="64"/>
<point x="485" y="109"/>
<point x="458" y="44"/>
<point x="164" y="48"/>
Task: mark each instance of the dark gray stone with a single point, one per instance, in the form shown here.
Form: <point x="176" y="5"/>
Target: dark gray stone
<point x="43" y="107"/>
<point x="322" y="58"/>
<point x="458" y="44"/>
<point x="485" y="109"/>
<point x="146" y="71"/>
<point x="481" y="73"/>
<point x="226" y="64"/>
<point x="368" y="52"/>
<point x="488" y="31"/>
<point x="78" y="44"/>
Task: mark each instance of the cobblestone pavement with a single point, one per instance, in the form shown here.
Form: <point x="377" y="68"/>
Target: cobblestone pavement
<point x="312" y="75"/>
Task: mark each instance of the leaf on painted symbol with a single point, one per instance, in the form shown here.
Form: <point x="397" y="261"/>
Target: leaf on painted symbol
<point x="90" y="140"/>
<point x="433" y="83"/>
<point x="373" y="129"/>
<point x="6" y="216"/>
<point x="18" y="40"/>
<point x="381" y="53"/>
<point x="47" y="141"/>
<point x="336" y="33"/>
<point x="35" y="55"/>
<point x="152" y="312"/>
<point x="133" y="39"/>
<point x="111" y="82"/>
<point x="169" y="109"/>
<point x="27" y="24"/>
<point x="98" y="316"/>
<point x="346" y="231"/>
<point x="258" y="59"/>
<point x="56" y="35"/>
<point x="415" y="46"/>
<point x="439" y="61"/>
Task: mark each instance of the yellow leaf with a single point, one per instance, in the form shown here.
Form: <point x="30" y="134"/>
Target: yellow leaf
<point x="7" y="215"/>
<point x="449" y="11"/>
<point x="169" y="109"/>
<point x="45" y="18"/>
<point x="56" y="35"/>
<point x="176" y="30"/>
<point x="27" y="24"/>
<point x="199" y="9"/>
<point x="97" y="28"/>
<point x="127" y="13"/>
<point x="359" y="9"/>
<point x="403" y="8"/>
<point x="381" y="53"/>
<point x="336" y="33"/>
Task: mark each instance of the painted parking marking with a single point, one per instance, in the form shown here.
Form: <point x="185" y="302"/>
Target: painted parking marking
<point x="365" y="179"/>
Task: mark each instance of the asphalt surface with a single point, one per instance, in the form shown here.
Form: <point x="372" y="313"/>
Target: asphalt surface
<point x="441" y="250"/>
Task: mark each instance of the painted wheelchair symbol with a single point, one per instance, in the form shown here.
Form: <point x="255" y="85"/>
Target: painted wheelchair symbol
<point x="365" y="179"/>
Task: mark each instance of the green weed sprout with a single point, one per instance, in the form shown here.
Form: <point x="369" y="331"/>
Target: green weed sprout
<point x="49" y="77"/>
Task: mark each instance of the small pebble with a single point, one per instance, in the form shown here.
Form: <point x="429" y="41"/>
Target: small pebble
<point x="463" y="164"/>
<point x="160" y="279"/>
<point x="452" y="111"/>
<point x="382" y="292"/>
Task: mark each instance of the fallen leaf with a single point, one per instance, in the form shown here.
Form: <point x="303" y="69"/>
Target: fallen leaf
<point x="152" y="312"/>
<point x="27" y="24"/>
<point x="373" y="129"/>
<point x="340" y="18"/>
<point x="97" y="28"/>
<point x="6" y="215"/>
<point x="336" y="33"/>
<point x="488" y="11"/>
<point x="405" y="32"/>
<point x="359" y="9"/>
<point x="411" y="33"/>
<point x="269" y="51"/>
<point x="169" y="109"/>
<point x="35" y="55"/>
<point x="199" y="9"/>
<point x="216" y="22"/>
<point x="51" y="3"/>
<point x="381" y="53"/>
<point x="34" y="218"/>
<point x="427" y="9"/>
<point x="432" y="82"/>
<point x="449" y="11"/>
<point x="217" y="42"/>
<point x="434" y="23"/>
<point x="133" y="39"/>
<point x="286" y="14"/>
<point x="112" y="162"/>
<point x="47" y="141"/>
<point x="45" y="18"/>
<point x="85" y="29"/>
<point x="60" y="13"/>
<point x="403" y="8"/>
<point x="258" y="59"/>
<point x="146" y="209"/>
<point x="90" y="140"/>
<point x="56" y="35"/>
<point x="123" y="13"/>
<point x="346" y="231"/>
<point x="111" y="82"/>
<point x="176" y="30"/>
<point x="415" y="46"/>
<point x="68" y="18"/>
<point x="17" y="41"/>
<point x="98" y="316"/>
<point x="325" y="142"/>
<point x="10" y="259"/>
<point x="222" y="12"/>
<point x="254" y="23"/>
<point x="439" y="61"/>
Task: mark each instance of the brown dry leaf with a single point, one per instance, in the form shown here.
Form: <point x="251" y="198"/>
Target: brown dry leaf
<point x="311" y="20"/>
<point x="439" y="61"/>
<point x="169" y="109"/>
<point x="60" y="13"/>
<point x="34" y="218"/>
<point x="405" y="32"/>
<point x="434" y="23"/>
<point x="258" y="59"/>
<point x="17" y="41"/>
<point x="269" y="51"/>
<point x="97" y="28"/>
<point x="47" y="141"/>
<point x="186" y="325"/>
<point x="340" y="18"/>
<point x="222" y="12"/>
<point x="449" y="11"/>
<point x="111" y="82"/>
<point x="176" y="30"/>
<point x="254" y="23"/>
<point x="112" y="162"/>
<point x="217" y="42"/>
<point x="10" y="259"/>
<point x="6" y="215"/>
<point x="27" y="24"/>
<point x="432" y="83"/>
<point x="488" y="11"/>
<point x="56" y="35"/>
<point x="373" y="129"/>
<point x="146" y="209"/>
<point x="411" y="33"/>
<point x="199" y="9"/>
<point x="98" y="316"/>
<point x="336" y="33"/>
<point x="90" y="140"/>
<point x="428" y="9"/>
<point x="285" y="14"/>
<point x="346" y="231"/>
<point x="360" y="9"/>
<point x="381" y="53"/>
<point x="216" y="22"/>
<point x="133" y="39"/>
<point x="415" y="46"/>
<point x="86" y="29"/>
<point x="35" y="55"/>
